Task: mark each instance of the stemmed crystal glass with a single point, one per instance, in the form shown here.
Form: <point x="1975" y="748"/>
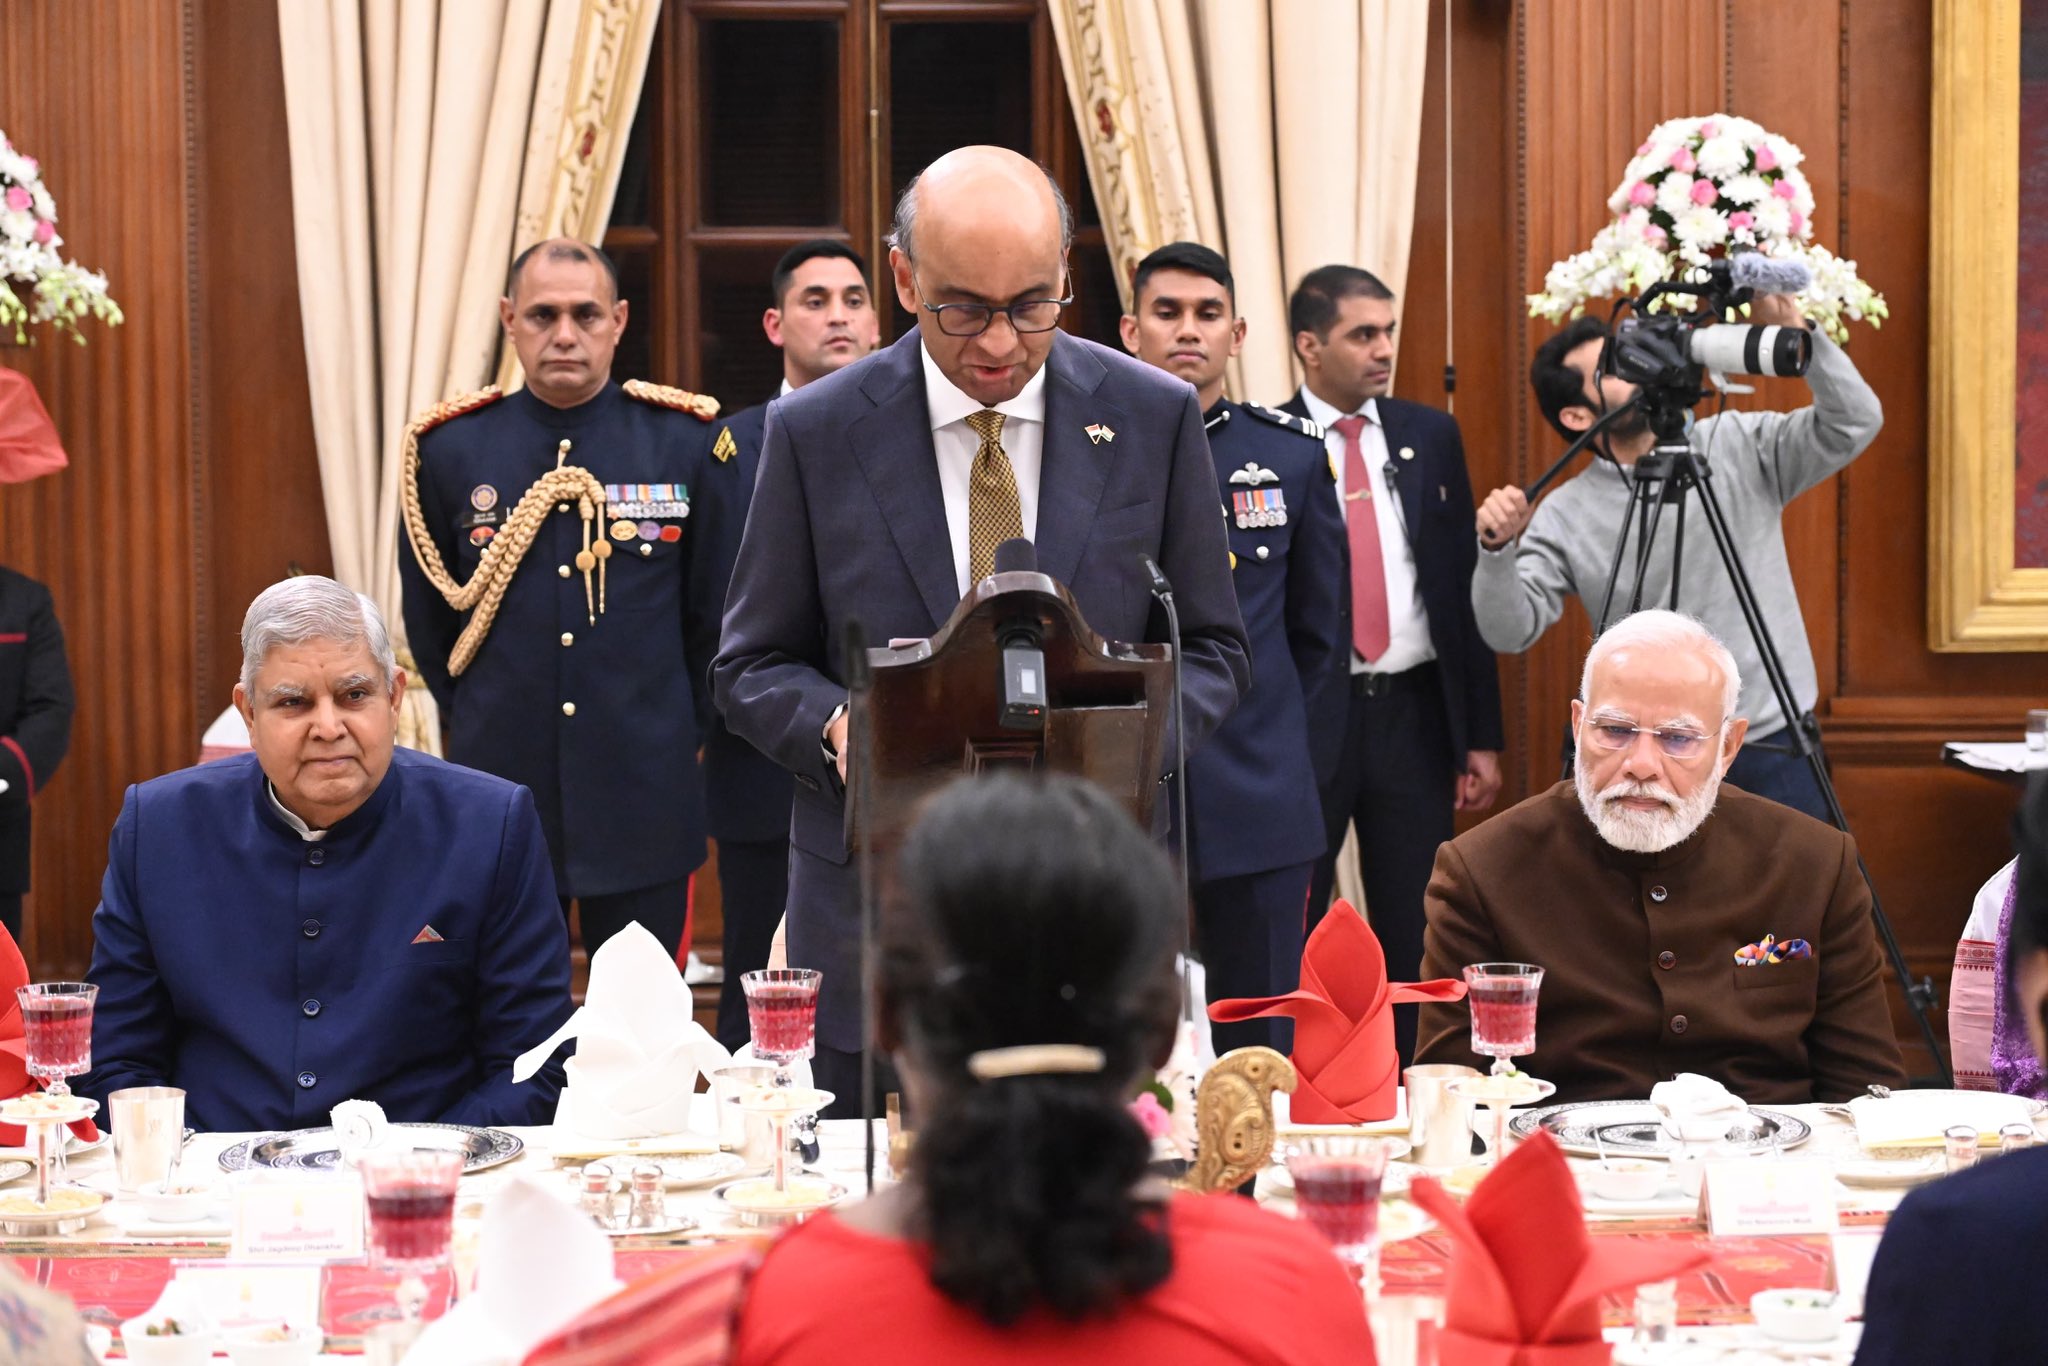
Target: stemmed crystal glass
<point x="1503" y="1001"/>
<point x="56" y="1034"/>
<point x="782" y="1015"/>
<point x="1337" y="1182"/>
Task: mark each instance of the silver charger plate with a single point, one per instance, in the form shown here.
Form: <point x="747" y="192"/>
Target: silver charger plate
<point x="1635" y="1128"/>
<point x="320" y="1149"/>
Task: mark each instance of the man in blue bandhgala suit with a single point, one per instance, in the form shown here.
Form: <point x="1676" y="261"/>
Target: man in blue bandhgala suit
<point x="328" y="918"/>
<point x="885" y="487"/>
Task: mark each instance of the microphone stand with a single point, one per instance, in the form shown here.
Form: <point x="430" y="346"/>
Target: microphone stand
<point x="1163" y="591"/>
<point x="860" y="740"/>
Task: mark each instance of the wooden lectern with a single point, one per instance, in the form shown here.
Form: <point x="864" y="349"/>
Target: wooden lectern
<point x="935" y="708"/>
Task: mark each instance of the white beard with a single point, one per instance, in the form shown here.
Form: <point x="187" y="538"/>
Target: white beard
<point x="1645" y="832"/>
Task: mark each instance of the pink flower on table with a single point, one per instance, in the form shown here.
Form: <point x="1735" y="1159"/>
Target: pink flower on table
<point x="1709" y="128"/>
<point x="1798" y="222"/>
<point x="18" y="199"/>
<point x="45" y="230"/>
<point x="1741" y="218"/>
<point x="1152" y="1117"/>
<point x="1705" y="191"/>
<point x="1644" y="150"/>
<point x="1682" y="160"/>
<point x="1641" y="193"/>
<point x="1766" y="159"/>
<point x="1655" y="235"/>
<point x="1782" y="188"/>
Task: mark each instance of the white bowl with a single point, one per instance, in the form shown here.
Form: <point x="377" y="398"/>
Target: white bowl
<point x="193" y="1348"/>
<point x="1797" y="1315"/>
<point x="248" y="1347"/>
<point x="185" y="1205"/>
<point x="1624" y="1179"/>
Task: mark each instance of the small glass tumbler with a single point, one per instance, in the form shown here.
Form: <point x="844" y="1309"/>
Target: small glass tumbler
<point x="1959" y="1142"/>
<point x="2015" y="1137"/>
<point x="1656" y="1313"/>
<point x="2037" y="729"/>
<point x="1337" y="1182"/>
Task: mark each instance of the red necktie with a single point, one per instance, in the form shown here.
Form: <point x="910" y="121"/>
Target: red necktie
<point x="1369" y="624"/>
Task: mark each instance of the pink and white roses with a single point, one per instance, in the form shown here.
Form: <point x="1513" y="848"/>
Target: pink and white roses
<point x="58" y="292"/>
<point x="1694" y="190"/>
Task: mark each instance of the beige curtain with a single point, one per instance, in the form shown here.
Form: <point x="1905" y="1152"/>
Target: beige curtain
<point x="429" y="140"/>
<point x="1282" y="132"/>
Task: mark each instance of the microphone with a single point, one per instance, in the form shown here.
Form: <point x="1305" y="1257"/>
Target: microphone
<point x="1163" y="591"/>
<point x="860" y="680"/>
<point x="1761" y="274"/>
<point x="1016" y="555"/>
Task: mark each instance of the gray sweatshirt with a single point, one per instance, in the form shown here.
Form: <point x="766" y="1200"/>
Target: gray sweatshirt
<point x="1759" y="463"/>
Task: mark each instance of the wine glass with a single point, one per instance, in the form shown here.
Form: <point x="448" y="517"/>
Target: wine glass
<point x="410" y="1196"/>
<point x="1503" y="1001"/>
<point x="782" y="1015"/>
<point x="1337" y="1191"/>
<point x="56" y="1033"/>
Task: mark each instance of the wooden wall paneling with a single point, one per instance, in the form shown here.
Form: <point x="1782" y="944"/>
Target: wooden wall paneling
<point x="98" y="93"/>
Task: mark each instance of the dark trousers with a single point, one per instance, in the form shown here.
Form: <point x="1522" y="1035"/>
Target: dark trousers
<point x="1249" y="931"/>
<point x="838" y="1071"/>
<point x="753" y="887"/>
<point x="662" y="909"/>
<point x="1395" y="785"/>
<point x="1768" y="766"/>
<point x="10" y="914"/>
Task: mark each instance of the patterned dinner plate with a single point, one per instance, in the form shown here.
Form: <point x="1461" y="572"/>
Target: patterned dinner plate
<point x="320" y="1149"/>
<point x="1634" y="1127"/>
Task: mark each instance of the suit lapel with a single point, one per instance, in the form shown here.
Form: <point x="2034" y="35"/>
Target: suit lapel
<point x="893" y="444"/>
<point x="1073" y="471"/>
<point x="1407" y="476"/>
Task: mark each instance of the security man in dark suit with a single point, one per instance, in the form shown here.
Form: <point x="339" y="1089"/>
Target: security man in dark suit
<point x="1253" y="806"/>
<point x="35" y="723"/>
<point x="823" y="317"/>
<point x="562" y="593"/>
<point x="1407" y="728"/>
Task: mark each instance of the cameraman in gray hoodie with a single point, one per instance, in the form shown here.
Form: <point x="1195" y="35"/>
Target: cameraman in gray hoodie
<point x="1757" y="464"/>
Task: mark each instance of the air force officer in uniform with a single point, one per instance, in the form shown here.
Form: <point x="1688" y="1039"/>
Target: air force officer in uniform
<point x="885" y="488"/>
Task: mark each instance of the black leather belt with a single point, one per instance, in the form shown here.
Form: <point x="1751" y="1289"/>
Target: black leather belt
<point x="1421" y="678"/>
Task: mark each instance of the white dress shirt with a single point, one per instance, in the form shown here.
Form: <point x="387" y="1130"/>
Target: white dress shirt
<point x="305" y="831"/>
<point x="787" y="388"/>
<point x="1408" y="642"/>
<point x="956" y="445"/>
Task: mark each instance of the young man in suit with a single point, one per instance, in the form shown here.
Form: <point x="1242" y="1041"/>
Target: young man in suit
<point x="1255" y="818"/>
<point x="823" y="317"/>
<point x="884" y="489"/>
<point x="1407" y="729"/>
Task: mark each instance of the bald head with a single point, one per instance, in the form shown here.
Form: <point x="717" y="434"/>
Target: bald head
<point x="981" y="226"/>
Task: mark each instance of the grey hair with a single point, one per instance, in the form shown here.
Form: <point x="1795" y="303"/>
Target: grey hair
<point x="1658" y="628"/>
<point x="905" y="222"/>
<point x="311" y="607"/>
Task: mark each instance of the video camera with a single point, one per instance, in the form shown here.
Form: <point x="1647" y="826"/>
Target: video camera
<point x="1668" y="356"/>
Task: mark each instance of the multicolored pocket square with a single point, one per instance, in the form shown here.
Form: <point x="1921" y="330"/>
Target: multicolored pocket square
<point x="1772" y="950"/>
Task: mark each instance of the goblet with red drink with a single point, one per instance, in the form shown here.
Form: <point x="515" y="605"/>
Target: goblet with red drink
<point x="56" y="1034"/>
<point x="1337" y="1192"/>
<point x="782" y="1014"/>
<point x="1503" y="1001"/>
<point x="410" y="1196"/>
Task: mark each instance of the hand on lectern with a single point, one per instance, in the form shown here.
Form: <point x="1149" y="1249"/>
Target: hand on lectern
<point x="835" y="736"/>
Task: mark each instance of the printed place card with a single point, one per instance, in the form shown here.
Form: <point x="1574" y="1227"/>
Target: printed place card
<point x="1749" y="1197"/>
<point x="297" y="1219"/>
<point x="251" y="1296"/>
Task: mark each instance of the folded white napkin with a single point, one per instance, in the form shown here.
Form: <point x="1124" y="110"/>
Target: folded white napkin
<point x="638" y="1051"/>
<point x="540" y="1263"/>
<point x="359" y="1127"/>
<point x="1697" y="1109"/>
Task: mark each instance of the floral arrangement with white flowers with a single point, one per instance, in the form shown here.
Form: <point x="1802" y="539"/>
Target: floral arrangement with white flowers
<point x="59" y="292"/>
<point x="1696" y="189"/>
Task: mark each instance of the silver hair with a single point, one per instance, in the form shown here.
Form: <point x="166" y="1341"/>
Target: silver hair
<point x="1668" y="630"/>
<point x="905" y="222"/>
<point x="311" y="607"/>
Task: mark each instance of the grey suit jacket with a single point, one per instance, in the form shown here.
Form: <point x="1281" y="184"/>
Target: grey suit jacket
<point x="848" y="522"/>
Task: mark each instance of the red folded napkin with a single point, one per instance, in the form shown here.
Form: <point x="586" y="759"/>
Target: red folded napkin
<point x="14" y="1077"/>
<point x="683" y="1316"/>
<point x="28" y="439"/>
<point x="1525" y="1278"/>
<point x="1343" y="1023"/>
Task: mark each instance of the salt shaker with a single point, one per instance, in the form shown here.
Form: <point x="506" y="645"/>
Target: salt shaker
<point x="649" y="1206"/>
<point x="597" y="1193"/>
<point x="1960" y="1141"/>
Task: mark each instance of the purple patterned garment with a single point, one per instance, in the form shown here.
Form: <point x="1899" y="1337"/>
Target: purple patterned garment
<point x="2013" y="1062"/>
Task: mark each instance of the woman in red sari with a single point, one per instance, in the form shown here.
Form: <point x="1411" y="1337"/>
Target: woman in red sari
<point x="1026" y="984"/>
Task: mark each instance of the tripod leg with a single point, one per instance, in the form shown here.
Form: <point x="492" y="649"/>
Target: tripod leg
<point x="1606" y="619"/>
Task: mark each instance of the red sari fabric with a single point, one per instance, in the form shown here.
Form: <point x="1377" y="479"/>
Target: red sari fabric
<point x="1248" y="1286"/>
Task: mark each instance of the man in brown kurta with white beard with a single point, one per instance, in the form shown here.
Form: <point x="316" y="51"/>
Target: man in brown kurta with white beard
<point x="1635" y="887"/>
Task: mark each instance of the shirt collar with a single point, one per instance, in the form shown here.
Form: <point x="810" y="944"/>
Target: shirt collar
<point x="1325" y="415"/>
<point x="303" y="830"/>
<point x="947" y="404"/>
<point x="787" y="388"/>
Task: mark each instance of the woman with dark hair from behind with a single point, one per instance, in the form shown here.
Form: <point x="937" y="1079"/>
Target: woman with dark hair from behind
<point x="1964" y="1261"/>
<point x="1026" y="983"/>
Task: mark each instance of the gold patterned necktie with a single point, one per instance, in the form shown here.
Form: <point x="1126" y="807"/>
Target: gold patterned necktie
<point x="994" y="514"/>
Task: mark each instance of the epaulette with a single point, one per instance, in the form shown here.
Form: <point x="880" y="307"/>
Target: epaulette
<point x="456" y="407"/>
<point x="703" y="407"/>
<point x="1287" y="420"/>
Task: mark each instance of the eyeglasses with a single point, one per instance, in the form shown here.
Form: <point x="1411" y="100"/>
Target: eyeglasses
<point x="971" y="320"/>
<point x="1678" y="744"/>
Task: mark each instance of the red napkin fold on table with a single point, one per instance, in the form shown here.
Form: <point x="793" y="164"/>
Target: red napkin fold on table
<point x="1343" y="1022"/>
<point x="1526" y="1279"/>
<point x="28" y="439"/>
<point x="14" y="1077"/>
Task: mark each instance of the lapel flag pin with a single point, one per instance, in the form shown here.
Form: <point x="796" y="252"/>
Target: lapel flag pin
<point x="427" y="935"/>
<point x="1097" y="434"/>
<point x="725" y="448"/>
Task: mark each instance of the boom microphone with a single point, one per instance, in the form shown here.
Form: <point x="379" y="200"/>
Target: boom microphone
<point x="1761" y="274"/>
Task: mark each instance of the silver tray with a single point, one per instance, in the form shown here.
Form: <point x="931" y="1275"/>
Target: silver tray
<point x="1633" y="1127"/>
<point x="320" y="1150"/>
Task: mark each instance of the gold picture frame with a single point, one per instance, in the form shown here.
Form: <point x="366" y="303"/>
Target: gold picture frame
<point x="1977" y="597"/>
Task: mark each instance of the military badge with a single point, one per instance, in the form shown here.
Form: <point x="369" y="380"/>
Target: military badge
<point x="1259" y="508"/>
<point x="1254" y="475"/>
<point x="725" y="448"/>
<point x="481" y="536"/>
<point x="671" y="533"/>
<point x="483" y="497"/>
<point x="623" y="530"/>
<point x="650" y="531"/>
<point x="648" y="500"/>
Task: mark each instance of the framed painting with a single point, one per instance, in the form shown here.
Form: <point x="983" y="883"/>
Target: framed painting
<point x="1988" y="328"/>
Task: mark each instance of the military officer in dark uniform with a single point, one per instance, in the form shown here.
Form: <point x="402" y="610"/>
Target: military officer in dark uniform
<point x="561" y="594"/>
<point x="35" y="723"/>
<point x="1253" y="805"/>
<point x="822" y="318"/>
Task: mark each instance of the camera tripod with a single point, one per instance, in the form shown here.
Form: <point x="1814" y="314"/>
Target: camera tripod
<point x="1662" y="479"/>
